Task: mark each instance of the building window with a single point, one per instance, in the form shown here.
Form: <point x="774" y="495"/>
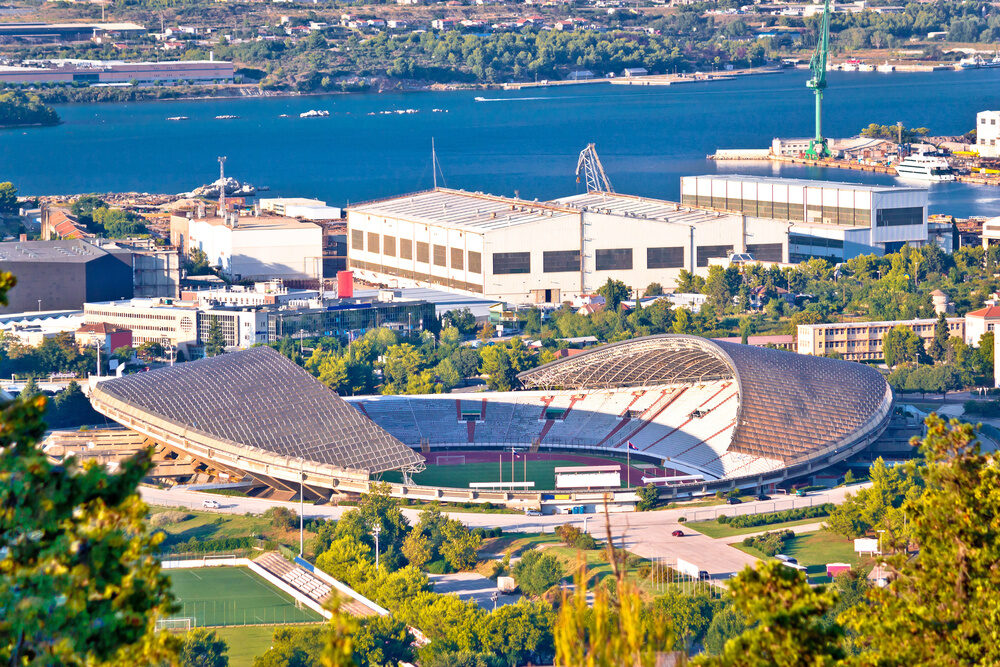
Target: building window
<point x="423" y="252"/>
<point x="896" y="217"/>
<point x="357" y="239"/>
<point x="475" y="262"/>
<point x="440" y="255"/>
<point x="456" y="259"/>
<point x="405" y="249"/>
<point x="558" y="261"/>
<point x="614" y="259"/>
<point x="765" y="252"/>
<point x="372" y="242"/>
<point x="389" y="245"/>
<point x="511" y="262"/>
<point x="707" y="252"/>
<point x="816" y="241"/>
<point x="665" y="258"/>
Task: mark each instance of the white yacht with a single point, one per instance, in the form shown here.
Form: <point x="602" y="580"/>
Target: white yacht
<point x="925" y="168"/>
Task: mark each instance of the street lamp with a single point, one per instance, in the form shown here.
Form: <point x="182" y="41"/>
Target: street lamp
<point x="494" y="598"/>
<point x="376" y="529"/>
<point x="302" y="478"/>
<point x="880" y="541"/>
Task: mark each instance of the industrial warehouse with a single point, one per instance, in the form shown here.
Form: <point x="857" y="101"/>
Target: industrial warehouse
<point x="111" y="72"/>
<point x="531" y="252"/>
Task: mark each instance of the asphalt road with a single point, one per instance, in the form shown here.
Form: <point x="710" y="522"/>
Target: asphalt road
<point x="646" y="534"/>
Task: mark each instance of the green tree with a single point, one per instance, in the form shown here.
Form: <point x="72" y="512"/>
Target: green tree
<point x="901" y="345"/>
<point x="8" y="199"/>
<point x="939" y="344"/>
<point x="216" y="342"/>
<point x="79" y="580"/>
<point x="537" y="572"/>
<point x="614" y="292"/>
<point x="648" y="497"/>
<point x="203" y="648"/>
<point x="382" y="640"/>
<point x="787" y="624"/>
<point x="417" y="549"/>
<point x="879" y="505"/>
<point x="401" y="362"/>
<point x="653" y="289"/>
<point x="496" y="366"/>
<point x="459" y="546"/>
<point x="943" y="607"/>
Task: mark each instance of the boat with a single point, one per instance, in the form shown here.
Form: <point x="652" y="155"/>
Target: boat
<point x="479" y="99"/>
<point x="886" y="67"/>
<point x="178" y="118"/>
<point x="925" y="168"/>
<point x="226" y="117"/>
<point x="314" y="113"/>
<point x="970" y="63"/>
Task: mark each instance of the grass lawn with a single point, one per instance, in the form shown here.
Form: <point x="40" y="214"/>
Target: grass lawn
<point x="815" y="550"/>
<point x="233" y="596"/>
<point x="214" y="526"/>
<point x="246" y="643"/>
<point x="459" y="476"/>
<point x="715" y="529"/>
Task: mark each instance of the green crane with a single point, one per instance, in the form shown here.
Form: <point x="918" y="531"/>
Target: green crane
<point x="818" y="147"/>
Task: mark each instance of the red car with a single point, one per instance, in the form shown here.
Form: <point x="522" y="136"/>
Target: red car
<point x="677" y="533"/>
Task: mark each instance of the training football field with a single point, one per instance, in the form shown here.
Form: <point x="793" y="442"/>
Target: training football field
<point x="214" y="596"/>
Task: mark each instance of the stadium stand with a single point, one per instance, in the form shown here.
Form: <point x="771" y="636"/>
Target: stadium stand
<point x="309" y="585"/>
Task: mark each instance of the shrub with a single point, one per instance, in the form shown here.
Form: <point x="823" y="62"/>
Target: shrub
<point x="751" y="520"/>
<point x="168" y="518"/>
<point x="769" y="543"/>
<point x="723" y="519"/>
<point x="644" y="570"/>
<point x="437" y="567"/>
<point x="281" y="517"/>
<point x="568" y="534"/>
<point x="585" y="542"/>
<point x="537" y="572"/>
<point x="681" y="519"/>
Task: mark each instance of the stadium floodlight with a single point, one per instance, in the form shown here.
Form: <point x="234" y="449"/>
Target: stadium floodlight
<point x="376" y="529"/>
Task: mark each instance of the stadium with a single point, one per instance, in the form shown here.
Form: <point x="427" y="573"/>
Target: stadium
<point x="689" y="414"/>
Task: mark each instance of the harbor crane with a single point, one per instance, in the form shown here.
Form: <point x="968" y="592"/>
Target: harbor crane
<point x="593" y="171"/>
<point x="818" y="147"/>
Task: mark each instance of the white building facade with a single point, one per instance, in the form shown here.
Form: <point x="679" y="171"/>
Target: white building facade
<point x="988" y="133"/>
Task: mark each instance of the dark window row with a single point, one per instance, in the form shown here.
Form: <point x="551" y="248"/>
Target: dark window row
<point x="816" y="241"/>
<point x="895" y="217"/>
<point x="614" y="259"/>
<point x="835" y="215"/>
<point x="707" y="252"/>
<point x="389" y="244"/>
<point x="511" y="262"/>
<point x="766" y="252"/>
<point x="560" y="261"/>
<point x="665" y="258"/>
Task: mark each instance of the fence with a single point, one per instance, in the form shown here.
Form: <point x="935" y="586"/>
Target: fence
<point x="663" y="577"/>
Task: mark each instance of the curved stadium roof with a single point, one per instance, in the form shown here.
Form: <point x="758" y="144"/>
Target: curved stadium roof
<point x="792" y="406"/>
<point x="258" y="399"/>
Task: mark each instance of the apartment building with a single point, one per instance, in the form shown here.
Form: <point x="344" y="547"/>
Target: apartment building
<point x="862" y="341"/>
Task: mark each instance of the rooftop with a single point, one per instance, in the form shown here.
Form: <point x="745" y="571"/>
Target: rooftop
<point x="464" y="210"/>
<point x="73" y="250"/>
<point x="987" y="313"/>
<point x="639" y="207"/>
<point x="258" y="399"/>
<point x="260" y="222"/>
<point x="803" y="182"/>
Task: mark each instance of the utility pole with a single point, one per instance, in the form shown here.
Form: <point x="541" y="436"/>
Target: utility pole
<point x="301" y="508"/>
<point x="222" y="184"/>
<point x="377" y="528"/>
<point x="818" y="147"/>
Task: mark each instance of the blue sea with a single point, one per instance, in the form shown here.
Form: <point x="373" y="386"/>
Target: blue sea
<point x="524" y="142"/>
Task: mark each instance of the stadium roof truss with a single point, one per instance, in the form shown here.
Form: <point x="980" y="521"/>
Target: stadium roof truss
<point x="792" y="407"/>
<point x="639" y="362"/>
<point x="255" y="411"/>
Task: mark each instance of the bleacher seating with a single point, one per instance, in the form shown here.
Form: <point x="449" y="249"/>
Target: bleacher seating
<point x="688" y="426"/>
<point x="307" y="583"/>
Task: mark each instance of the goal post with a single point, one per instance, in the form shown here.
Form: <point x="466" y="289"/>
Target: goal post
<point x="176" y="624"/>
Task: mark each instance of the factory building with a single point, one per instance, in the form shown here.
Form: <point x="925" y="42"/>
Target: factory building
<point x="37" y="33"/>
<point x="62" y="275"/>
<point x="252" y="247"/>
<point x="830" y="220"/>
<point x="301" y="207"/>
<point x="988" y="133"/>
<point x="117" y="72"/>
<point x="529" y="252"/>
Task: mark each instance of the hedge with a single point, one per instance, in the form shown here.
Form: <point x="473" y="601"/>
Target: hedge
<point x="751" y="520"/>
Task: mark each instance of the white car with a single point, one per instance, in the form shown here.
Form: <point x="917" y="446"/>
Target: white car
<point x="532" y="513"/>
<point x="211" y="504"/>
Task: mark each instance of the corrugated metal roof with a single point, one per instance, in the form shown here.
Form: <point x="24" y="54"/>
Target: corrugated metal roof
<point x="459" y="209"/>
<point x="641" y="207"/>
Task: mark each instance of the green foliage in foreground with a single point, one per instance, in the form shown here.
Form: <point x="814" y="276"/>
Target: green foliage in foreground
<point x="769" y="543"/>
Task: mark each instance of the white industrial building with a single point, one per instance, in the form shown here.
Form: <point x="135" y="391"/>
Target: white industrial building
<point x="988" y="133"/>
<point x="253" y="247"/>
<point x="831" y="220"/>
<point x="301" y="207"/>
<point x="520" y="251"/>
<point x="530" y="252"/>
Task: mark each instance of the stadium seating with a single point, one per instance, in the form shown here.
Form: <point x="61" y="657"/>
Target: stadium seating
<point x="688" y="427"/>
<point x="307" y="583"/>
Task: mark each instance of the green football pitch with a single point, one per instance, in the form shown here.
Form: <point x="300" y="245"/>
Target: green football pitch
<point x="215" y="596"/>
<point x="459" y="476"/>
